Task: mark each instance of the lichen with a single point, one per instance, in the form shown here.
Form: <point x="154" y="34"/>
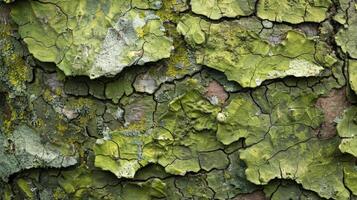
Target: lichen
<point x="24" y="150"/>
<point x="99" y="41"/>
<point x="287" y="189"/>
<point x="237" y="50"/>
<point x="293" y="11"/>
<point x="347" y="130"/>
<point x="346" y="36"/>
<point x="134" y="147"/>
<point x="216" y="9"/>
<point x="178" y="99"/>
<point x="352" y="72"/>
<point x="292" y="133"/>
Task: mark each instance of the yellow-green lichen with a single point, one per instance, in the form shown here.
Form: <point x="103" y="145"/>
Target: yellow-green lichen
<point x="216" y="9"/>
<point x="233" y="48"/>
<point x="293" y="11"/>
<point x="98" y="41"/>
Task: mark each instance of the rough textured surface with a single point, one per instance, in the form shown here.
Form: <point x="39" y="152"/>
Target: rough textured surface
<point x="291" y="133"/>
<point x="140" y="143"/>
<point x="288" y="190"/>
<point x="293" y="11"/>
<point x="347" y="130"/>
<point x="216" y="9"/>
<point x="200" y="99"/>
<point x="332" y="106"/>
<point x="25" y="150"/>
<point x="93" y="39"/>
<point x="352" y="72"/>
<point x="347" y="36"/>
<point x="236" y="49"/>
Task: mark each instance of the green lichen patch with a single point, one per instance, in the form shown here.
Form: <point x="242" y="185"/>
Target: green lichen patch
<point x="174" y="141"/>
<point x="96" y="40"/>
<point x="346" y="37"/>
<point x="231" y="181"/>
<point x="350" y="174"/>
<point x="352" y="72"/>
<point x="293" y="11"/>
<point x="122" y="85"/>
<point x="84" y="182"/>
<point x="347" y="130"/>
<point x="236" y="49"/>
<point x="293" y="118"/>
<point x="242" y="119"/>
<point x="216" y="9"/>
<point x="25" y="187"/>
<point x="314" y="165"/>
<point x="214" y="99"/>
<point x="277" y="190"/>
<point x="341" y="14"/>
<point x="216" y="184"/>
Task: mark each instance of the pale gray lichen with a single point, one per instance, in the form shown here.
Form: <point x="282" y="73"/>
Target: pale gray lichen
<point x="25" y="149"/>
<point x="132" y="40"/>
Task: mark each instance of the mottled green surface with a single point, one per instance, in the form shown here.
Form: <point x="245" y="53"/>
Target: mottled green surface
<point x="200" y="99"/>
<point x="93" y="39"/>
<point x="293" y="11"/>
<point x="216" y="9"/>
<point x="288" y="190"/>
<point x="350" y="174"/>
<point x="237" y="49"/>
<point x="352" y="72"/>
<point x="347" y="36"/>
<point x="24" y="150"/>
<point x="347" y="130"/>
<point x="177" y="150"/>
<point x="291" y="133"/>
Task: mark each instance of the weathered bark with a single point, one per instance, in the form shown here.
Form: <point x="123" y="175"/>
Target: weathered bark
<point x="176" y="99"/>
